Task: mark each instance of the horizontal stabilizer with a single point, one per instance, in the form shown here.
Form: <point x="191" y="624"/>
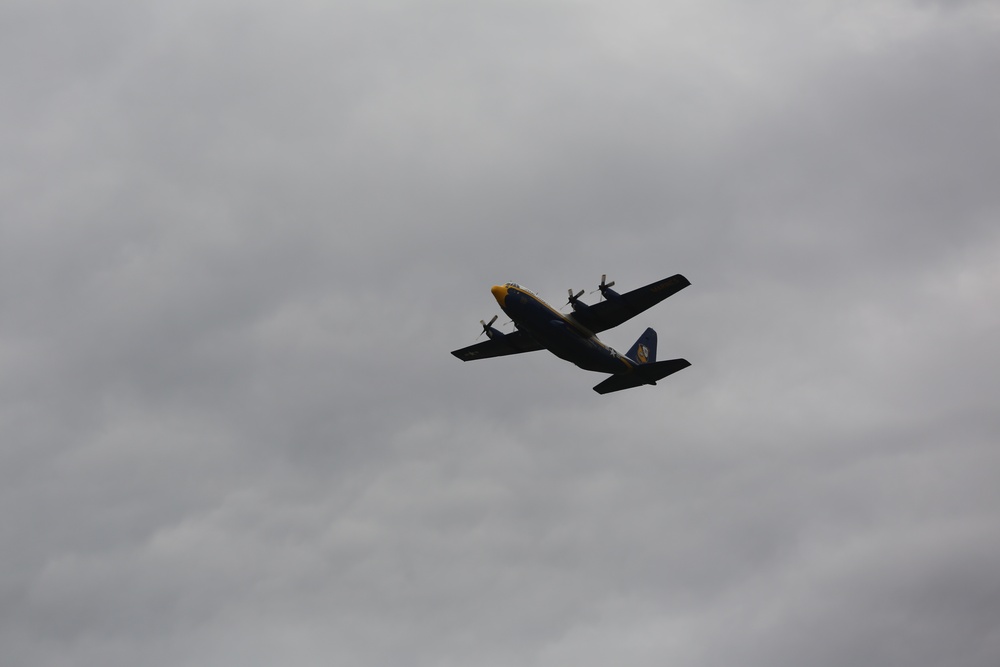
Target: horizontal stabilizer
<point x="640" y="375"/>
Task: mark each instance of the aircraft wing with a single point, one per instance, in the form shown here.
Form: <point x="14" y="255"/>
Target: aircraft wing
<point x="512" y="343"/>
<point x="622" y="307"/>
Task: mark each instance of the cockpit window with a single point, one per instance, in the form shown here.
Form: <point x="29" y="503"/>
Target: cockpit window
<point x="523" y="289"/>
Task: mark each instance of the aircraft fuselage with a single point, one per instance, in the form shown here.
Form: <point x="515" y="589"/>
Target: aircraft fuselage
<point x="557" y="332"/>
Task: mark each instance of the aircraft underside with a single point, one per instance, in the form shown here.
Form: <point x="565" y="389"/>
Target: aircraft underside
<point x="566" y="341"/>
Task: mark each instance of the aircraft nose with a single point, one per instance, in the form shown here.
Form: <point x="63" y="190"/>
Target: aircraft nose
<point x="500" y="294"/>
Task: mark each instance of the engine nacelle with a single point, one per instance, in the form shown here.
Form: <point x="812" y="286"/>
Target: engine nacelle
<point x="493" y="333"/>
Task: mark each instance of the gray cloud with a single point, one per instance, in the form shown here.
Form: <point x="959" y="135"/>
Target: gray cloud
<point x="239" y="241"/>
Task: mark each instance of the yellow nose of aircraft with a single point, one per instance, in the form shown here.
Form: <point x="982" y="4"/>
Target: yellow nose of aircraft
<point x="500" y="294"/>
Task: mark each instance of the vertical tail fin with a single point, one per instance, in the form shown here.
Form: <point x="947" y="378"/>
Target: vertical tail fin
<point x="644" y="349"/>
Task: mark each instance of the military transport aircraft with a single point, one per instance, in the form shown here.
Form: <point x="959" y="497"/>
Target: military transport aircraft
<point x="573" y="336"/>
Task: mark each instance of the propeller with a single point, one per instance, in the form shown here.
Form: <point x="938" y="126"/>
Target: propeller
<point x="487" y="327"/>
<point x="605" y="286"/>
<point x="573" y="298"/>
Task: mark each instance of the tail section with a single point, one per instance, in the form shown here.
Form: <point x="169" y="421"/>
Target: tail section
<point x="647" y="373"/>
<point x="644" y="349"/>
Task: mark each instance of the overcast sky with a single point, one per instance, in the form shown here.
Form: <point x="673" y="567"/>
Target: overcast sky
<point x="238" y="240"/>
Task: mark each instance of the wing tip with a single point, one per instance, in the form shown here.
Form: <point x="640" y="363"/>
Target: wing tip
<point x="680" y="279"/>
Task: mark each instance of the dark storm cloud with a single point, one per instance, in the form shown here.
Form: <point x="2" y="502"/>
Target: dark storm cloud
<point x="238" y="242"/>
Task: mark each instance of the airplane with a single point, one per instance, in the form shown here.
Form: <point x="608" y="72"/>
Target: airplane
<point x="573" y="337"/>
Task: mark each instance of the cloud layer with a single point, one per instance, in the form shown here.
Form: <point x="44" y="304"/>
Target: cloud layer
<point x="238" y="241"/>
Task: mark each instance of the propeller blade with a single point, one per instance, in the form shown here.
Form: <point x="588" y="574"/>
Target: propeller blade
<point x="604" y="286"/>
<point x="486" y="327"/>
<point x="572" y="297"/>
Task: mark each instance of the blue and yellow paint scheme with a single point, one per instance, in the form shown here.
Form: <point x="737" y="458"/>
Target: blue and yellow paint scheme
<point x="573" y="336"/>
